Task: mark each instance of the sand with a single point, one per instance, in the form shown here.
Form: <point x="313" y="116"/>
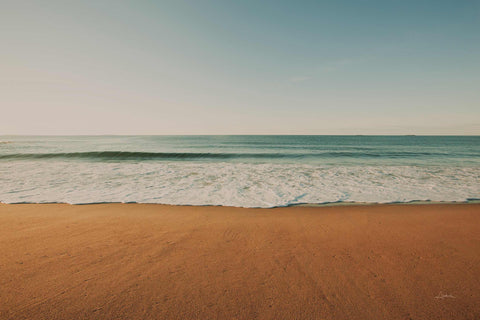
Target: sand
<point x="139" y="261"/>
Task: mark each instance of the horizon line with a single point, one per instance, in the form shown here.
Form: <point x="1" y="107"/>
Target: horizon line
<point x="249" y="134"/>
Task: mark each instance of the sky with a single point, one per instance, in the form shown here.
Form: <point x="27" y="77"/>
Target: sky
<point x="240" y="67"/>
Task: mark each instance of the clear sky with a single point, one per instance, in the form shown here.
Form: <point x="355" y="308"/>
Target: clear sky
<point x="240" y="67"/>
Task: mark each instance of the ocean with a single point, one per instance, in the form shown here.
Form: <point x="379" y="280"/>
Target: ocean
<point x="242" y="171"/>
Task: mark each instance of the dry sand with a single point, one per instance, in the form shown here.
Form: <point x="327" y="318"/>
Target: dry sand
<point x="137" y="261"/>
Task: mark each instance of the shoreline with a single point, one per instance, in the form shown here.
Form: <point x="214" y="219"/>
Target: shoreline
<point x="302" y="205"/>
<point x="150" y="261"/>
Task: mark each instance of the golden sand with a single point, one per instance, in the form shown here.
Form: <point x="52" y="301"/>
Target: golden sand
<point x="139" y="261"/>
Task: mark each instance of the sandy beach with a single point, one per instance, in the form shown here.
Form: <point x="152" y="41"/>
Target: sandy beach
<point x="140" y="261"/>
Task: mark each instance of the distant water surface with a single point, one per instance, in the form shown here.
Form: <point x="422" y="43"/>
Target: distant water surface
<point x="244" y="171"/>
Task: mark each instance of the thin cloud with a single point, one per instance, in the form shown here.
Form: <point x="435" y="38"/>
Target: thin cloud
<point x="300" y="79"/>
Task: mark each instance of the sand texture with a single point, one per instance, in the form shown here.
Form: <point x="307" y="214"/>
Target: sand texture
<point x="139" y="261"/>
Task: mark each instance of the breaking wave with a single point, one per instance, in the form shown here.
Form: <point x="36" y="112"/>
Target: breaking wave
<point x="127" y="155"/>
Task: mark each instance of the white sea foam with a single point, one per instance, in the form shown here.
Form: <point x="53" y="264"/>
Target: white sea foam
<point x="231" y="184"/>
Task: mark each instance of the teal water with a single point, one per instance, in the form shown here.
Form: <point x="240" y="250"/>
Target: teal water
<point x="247" y="171"/>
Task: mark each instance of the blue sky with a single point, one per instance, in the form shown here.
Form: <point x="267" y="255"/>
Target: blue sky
<point x="240" y="67"/>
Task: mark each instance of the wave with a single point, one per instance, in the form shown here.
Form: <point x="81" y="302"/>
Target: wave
<point x="128" y="155"/>
<point x="232" y="184"/>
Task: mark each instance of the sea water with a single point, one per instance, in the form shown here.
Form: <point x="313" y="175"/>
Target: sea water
<point x="243" y="171"/>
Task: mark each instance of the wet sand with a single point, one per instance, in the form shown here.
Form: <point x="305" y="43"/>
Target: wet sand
<point x="140" y="261"/>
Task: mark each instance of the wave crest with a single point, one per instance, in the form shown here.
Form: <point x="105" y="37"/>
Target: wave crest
<point x="128" y="155"/>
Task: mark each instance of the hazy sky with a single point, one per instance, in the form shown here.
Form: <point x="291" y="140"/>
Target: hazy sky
<point x="240" y="67"/>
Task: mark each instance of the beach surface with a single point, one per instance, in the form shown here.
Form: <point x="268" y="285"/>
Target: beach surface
<point x="147" y="261"/>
